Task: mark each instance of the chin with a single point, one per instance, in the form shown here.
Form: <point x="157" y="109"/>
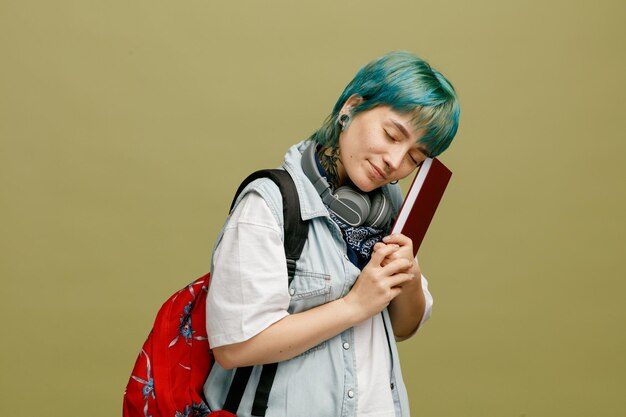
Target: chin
<point x="364" y="182"/>
<point x="366" y="186"/>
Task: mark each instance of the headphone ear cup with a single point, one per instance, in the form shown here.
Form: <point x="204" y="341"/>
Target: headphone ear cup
<point x="380" y="211"/>
<point x="355" y="207"/>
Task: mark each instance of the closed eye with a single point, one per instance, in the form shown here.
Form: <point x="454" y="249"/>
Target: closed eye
<point x="413" y="160"/>
<point x="390" y="137"/>
<point x="418" y="156"/>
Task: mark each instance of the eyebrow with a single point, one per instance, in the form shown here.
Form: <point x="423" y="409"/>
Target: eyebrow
<point x="402" y="129"/>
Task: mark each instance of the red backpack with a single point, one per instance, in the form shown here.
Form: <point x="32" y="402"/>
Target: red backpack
<point x="175" y="360"/>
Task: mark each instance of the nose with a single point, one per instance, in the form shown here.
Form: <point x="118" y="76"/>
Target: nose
<point x="393" y="158"/>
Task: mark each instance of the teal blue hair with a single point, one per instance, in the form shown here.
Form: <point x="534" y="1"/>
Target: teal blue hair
<point x="407" y="84"/>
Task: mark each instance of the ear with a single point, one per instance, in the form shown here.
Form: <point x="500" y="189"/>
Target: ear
<point x="352" y="101"/>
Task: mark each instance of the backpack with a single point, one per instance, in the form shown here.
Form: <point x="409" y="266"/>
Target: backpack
<point x="175" y="360"/>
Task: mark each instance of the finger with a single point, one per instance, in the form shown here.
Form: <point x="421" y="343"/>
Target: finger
<point x="393" y="256"/>
<point x="382" y="253"/>
<point x="397" y="254"/>
<point x="379" y="245"/>
<point x="397" y="265"/>
<point x="399" y="239"/>
<point x="395" y="292"/>
<point x="400" y="279"/>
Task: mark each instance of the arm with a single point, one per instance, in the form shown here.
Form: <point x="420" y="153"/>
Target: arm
<point x="290" y="336"/>
<point x="407" y="309"/>
<point x="294" y="334"/>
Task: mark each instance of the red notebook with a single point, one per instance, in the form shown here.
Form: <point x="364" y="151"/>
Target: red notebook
<point x="422" y="200"/>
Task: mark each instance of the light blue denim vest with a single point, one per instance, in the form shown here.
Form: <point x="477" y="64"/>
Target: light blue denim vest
<point x="321" y="382"/>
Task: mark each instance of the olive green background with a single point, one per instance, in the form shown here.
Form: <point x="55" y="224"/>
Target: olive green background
<point x="125" y="127"/>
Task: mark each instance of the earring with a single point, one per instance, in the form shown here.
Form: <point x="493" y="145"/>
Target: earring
<point x="343" y="120"/>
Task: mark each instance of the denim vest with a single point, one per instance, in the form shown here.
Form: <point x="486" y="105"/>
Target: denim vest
<point x="321" y="382"/>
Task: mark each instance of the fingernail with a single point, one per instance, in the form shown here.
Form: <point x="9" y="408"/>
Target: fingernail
<point x="386" y="238"/>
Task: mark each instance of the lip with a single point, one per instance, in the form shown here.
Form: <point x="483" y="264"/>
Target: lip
<point x="378" y="172"/>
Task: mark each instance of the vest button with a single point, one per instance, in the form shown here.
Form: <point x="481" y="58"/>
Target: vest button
<point x="351" y="394"/>
<point x="292" y="291"/>
<point x="346" y="345"/>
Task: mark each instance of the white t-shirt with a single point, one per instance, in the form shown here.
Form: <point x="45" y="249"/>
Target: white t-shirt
<point x="248" y="294"/>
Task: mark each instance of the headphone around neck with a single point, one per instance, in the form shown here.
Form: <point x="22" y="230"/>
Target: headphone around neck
<point x="348" y="203"/>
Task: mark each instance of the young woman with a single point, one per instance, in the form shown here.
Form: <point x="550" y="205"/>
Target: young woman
<point x="356" y="290"/>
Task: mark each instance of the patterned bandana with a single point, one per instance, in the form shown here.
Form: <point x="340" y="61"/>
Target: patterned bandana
<point x="360" y="240"/>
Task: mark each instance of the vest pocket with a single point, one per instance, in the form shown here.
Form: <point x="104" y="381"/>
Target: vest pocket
<point x="308" y="290"/>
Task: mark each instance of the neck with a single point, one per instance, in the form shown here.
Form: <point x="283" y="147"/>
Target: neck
<point x="329" y="159"/>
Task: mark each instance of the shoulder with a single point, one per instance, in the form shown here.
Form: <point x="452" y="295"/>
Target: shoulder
<point x="269" y="194"/>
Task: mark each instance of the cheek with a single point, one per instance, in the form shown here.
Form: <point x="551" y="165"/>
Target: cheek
<point x="406" y="172"/>
<point x="349" y="147"/>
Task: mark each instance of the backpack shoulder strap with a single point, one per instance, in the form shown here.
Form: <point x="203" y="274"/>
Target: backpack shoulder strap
<point x="296" y="231"/>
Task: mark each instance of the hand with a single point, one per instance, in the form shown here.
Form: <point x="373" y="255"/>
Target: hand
<point x="404" y="249"/>
<point x="378" y="284"/>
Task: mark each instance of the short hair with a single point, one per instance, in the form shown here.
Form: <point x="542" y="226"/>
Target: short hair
<point x="407" y="84"/>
